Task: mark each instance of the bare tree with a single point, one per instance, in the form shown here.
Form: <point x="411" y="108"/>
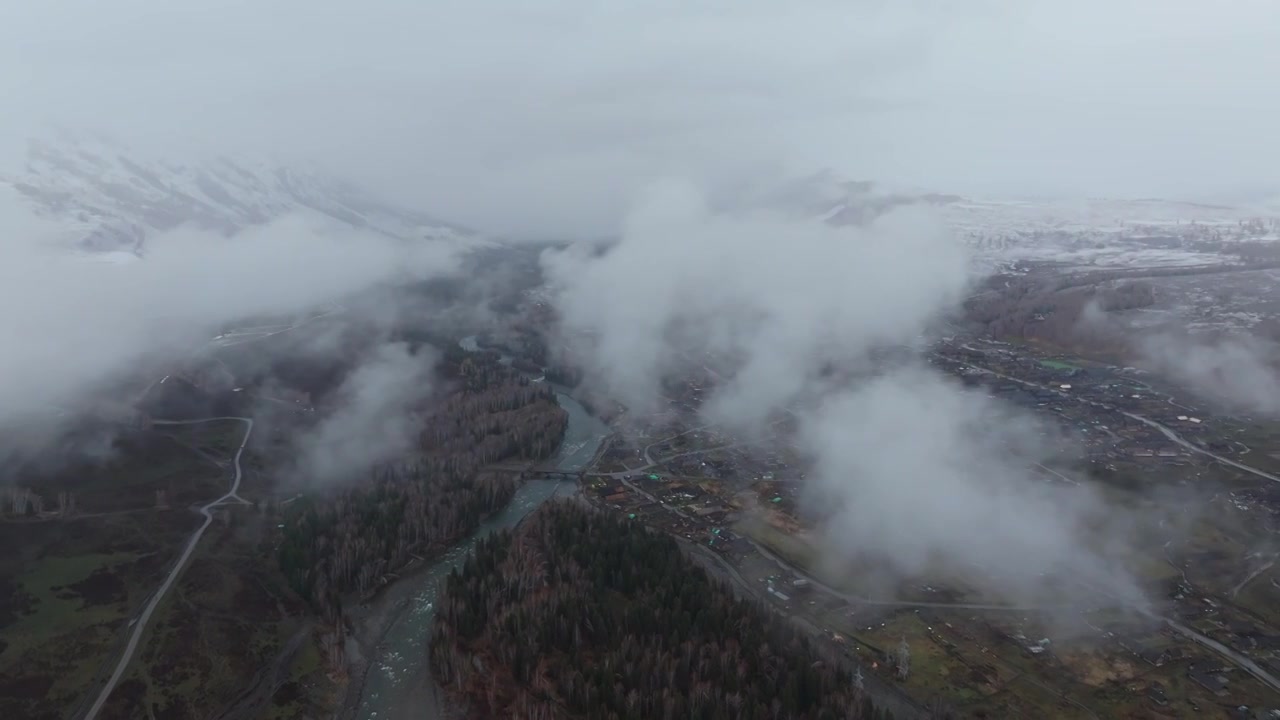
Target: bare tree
<point x="902" y="659"/>
<point x="66" y="503"/>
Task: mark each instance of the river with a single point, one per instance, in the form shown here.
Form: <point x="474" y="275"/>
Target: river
<point x="398" y="684"/>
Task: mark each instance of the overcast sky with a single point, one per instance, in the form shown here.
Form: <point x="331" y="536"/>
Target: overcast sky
<point x="544" y="117"/>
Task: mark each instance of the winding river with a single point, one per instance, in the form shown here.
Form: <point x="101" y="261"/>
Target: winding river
<point x="397" y="684"/>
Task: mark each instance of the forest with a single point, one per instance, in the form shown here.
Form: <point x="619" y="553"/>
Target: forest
<point x="350" y="539"/>
<point x="578" y="614"/>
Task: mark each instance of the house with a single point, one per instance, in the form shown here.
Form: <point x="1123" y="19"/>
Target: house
<point x="1213" y="681"/>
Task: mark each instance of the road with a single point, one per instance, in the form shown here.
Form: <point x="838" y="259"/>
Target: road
<point x="787" y="567"/>
<point x="1175" y="437"/>
<point x="1234" y="657"/>
<point x="859" y="600"/>
<point x="1164" y="429"/>
<point x="1239" y="660"/>
<point x="232" y="495"/>
<point x="883" y="693"/>
<point x="139" y="627"/>
<point x="1236" y="590"/>
<point x="651" y="463"/>
<point x="232" y="338"/>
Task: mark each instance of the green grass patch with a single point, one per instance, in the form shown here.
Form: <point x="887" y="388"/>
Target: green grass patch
<point x="56" y="605"/>
<point x="788" y="547"/>
<point x="931" y="671"/>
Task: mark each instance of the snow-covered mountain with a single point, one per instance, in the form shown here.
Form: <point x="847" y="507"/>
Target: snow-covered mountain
<point x="96" y="195"/>
<point x="1148" y="232"/>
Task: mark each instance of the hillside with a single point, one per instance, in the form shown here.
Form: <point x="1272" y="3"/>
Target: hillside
<point x="98" y="195"/>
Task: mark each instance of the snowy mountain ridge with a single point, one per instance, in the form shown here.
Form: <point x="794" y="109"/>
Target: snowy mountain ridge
<point x="95" y="195"/>
<point x="92" y="194"/>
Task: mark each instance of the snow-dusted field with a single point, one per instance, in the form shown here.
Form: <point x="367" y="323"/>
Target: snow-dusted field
<point x="1087" y="233"/>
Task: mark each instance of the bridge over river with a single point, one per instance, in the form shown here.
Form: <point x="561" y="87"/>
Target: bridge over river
<point x="536" y="474"/>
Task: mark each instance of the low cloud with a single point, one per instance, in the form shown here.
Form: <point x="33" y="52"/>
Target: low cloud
<point x="370" y="419"/>
<point x="912" y="469"/>
<point x="78" y="329"/>
<point x="1238" y="371"/>
<point x="925" y="477"/>
<point x="780" y="296"/>
<point x="545" y="118"/>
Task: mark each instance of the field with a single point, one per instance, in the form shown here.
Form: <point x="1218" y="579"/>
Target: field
<point x="988" y="665"/>
<point x="70" y="588"/>
<point x="1258" y="440"/>
<point x="72" y="584"/>
<point x="222" y="626"/>
<point x="1104" y="663"/>
<point x="140" y="466"/>
<point x="1235" y="301"/>
<point x="860" y="575"/>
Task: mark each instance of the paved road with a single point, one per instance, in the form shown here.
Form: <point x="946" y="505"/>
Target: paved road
<point x="140" y="626"/>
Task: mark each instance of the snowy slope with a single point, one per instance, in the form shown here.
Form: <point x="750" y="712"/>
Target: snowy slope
<point x="99" y="196"/>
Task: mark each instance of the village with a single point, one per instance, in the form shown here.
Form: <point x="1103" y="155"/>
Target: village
<point x="743" y="505"/>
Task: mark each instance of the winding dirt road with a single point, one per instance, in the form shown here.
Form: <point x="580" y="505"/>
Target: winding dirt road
<point x="140" y="626"/>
